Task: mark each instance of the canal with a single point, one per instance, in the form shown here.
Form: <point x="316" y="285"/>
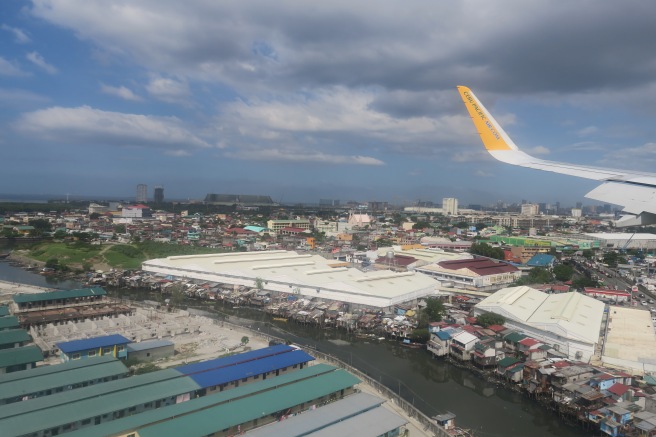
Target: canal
<point x="434" y="386"/>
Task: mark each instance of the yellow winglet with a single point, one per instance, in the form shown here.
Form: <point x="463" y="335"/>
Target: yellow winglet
<point x="493" y="137"/>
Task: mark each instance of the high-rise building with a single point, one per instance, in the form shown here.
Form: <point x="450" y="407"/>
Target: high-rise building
<point x="450" y="206"/>
<point x="530" y="209"/>
<point x="158" y="194"/>
<point x="142" y="193"/>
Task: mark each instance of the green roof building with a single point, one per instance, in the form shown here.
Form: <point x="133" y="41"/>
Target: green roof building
<point x="9" y="322"/>
<point x="48" y="380"/>
<point x="31" y="301"/>
<point x="93" y="405"/>
<point x="19" y="358"/>
<point x="11" y="338"/>
<point x="241" y="408"/>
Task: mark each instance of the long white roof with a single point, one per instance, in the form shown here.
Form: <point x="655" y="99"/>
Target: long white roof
<point x="305" y="274"/>
<point x="572" y="315"/>
<point x="622" y="236"/>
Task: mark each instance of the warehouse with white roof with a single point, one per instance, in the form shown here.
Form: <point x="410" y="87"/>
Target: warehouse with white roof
<point x="625" y="240"/>
<point x="306" y="275"/>
<point x="571" y="322"/>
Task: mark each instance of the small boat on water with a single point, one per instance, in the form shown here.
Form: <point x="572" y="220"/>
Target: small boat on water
<point x="407" y="343"/>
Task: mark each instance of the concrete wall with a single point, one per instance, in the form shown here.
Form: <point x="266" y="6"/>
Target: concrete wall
<point x="152" y="354"/>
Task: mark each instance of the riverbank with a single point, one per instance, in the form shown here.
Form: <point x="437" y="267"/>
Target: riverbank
<point x="433" y="386"/>
<point x="8" y="289"/>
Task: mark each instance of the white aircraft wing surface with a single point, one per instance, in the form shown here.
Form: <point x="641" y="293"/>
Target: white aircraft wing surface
<point x="633" y="190"/>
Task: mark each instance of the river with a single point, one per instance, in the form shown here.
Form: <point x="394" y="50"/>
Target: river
<point x="434" y="386"/>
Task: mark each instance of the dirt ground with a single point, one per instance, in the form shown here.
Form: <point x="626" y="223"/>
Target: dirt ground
<point x="222" y="339"/>
<point x="212" y="342"/>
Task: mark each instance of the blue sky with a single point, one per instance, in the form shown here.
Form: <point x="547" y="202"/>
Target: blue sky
<point x="308" y="100"/>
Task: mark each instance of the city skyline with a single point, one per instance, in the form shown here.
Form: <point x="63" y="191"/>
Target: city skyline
<point x="303" y="102"/>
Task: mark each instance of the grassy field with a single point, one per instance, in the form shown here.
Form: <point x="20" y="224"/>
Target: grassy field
<point x="122" y="256"/>
<point x="76" y="253"/>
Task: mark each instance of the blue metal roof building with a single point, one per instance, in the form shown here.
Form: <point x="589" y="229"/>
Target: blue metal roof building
<point x="541" y="260"/>
<point x="443" y="335"/>
<point x="232" y="360"/>
<point x="277" y="391"/>
<point x="251" y="371"/>
<point x="114" y="345"/>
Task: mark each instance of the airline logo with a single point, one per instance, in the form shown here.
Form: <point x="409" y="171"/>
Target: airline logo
<point x="491" y="138"/>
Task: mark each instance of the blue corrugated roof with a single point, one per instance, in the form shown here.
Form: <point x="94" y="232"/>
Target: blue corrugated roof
<point x="443" y="335"/>
<point x="244" y="370"/>
<point x="235" y="359"/>
<point x="91" y="343"/>
<point x="541" y="260"/>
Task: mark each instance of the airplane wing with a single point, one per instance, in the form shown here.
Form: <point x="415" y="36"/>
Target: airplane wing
<point x="635" y="191"/>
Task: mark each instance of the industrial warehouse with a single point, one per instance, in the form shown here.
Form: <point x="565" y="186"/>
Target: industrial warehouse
<point x="572" y="322"/>
<point x="305" y="275"/>
<point x="220" y="397"/>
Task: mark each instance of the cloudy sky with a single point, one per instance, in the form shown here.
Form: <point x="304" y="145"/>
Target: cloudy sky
<point x="307" y="100"/>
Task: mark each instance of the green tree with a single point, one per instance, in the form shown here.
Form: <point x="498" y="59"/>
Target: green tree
<point x="563" y="272"/>
<point x="259" y="283"/>
<point x="384" y="242"/>
<point x="539" y="275"/>
<point x="52" y="263"/>
<point x="94" y="216"/>
<point x="611" y="258"/>
<point x="35" y="232"/>
<point x="177" y="295"/>
<point x="582" y="282"/>
<point x="421" y="225"/>
<point x="41" y="225"/>
<point x="119" y="229"/>
<point x="244" y="340"/>
<point x="397" y="219"/>
<point x="489" y="319"/>
<point x="9" y="233"/>
<point x="485" y="249"/>
<point x="60" y="234"/>
<point x="84" y="236"/>
<point x="434" y="310"/>
<point x="420" y="335"/>
<point x="587" y="253"/>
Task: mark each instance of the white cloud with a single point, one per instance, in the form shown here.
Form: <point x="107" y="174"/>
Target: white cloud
<point x="15" y="97"/>
<point x="38" y="60"/>
<point x="120" y="91"/>
<point x="8" y="68"/>
<point x="335" y="110"/>
<point x="470" y="155"/>
<point x="586" y="146"/>
<point x="587" y="131"/>
<point x="169" y="90"/>
<point x="20" y="36"/>
<point x="642" y="157"/>
<point x="483" y="174"/>
<point x="331" y="124"/>
<point x="270" y="154"/>
<point x="537" y="150"/>
<point x="89" y="126"/>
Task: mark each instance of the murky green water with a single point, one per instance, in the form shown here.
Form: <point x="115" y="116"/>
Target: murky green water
<point x="433" y="385"/>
